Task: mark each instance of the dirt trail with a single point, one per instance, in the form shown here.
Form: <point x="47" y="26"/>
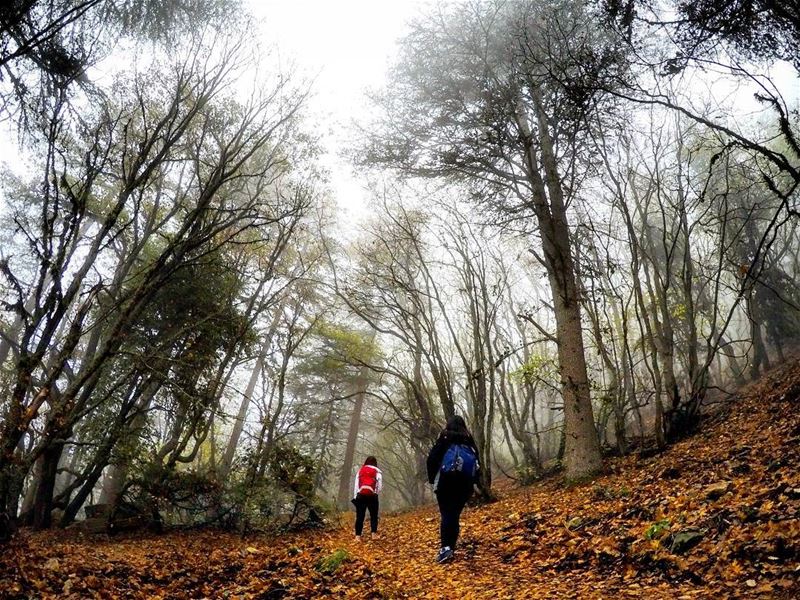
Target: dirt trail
<point x="730" y="495"/>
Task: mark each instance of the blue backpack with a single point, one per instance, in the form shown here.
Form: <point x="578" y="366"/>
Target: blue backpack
<point x="460" y="458"/>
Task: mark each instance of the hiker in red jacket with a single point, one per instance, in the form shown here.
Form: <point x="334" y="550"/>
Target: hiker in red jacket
<point x="368" y="485"/>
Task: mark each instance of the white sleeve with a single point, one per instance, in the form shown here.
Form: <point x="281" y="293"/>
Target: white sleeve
<point x="355" y="486"/>
<point x="379" y="483"/>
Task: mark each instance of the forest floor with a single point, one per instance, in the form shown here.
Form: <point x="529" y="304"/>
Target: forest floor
<point x="715" y="516"/>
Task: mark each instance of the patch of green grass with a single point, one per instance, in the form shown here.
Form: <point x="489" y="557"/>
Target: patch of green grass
<point x="331" y="563"/>
<point x="657" y="530"/>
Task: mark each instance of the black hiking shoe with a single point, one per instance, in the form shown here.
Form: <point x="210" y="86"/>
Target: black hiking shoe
<point x="444" y="555"/>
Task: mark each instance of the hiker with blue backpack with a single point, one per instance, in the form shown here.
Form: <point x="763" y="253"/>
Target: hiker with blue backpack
<point x="453" y="469"/>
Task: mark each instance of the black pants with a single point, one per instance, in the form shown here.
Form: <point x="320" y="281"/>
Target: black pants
<point x="364" y="503"/>
<point x="452" y="497"/>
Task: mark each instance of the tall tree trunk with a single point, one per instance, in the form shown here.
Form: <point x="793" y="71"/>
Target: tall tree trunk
<point x="582" y="456"/>
<point x="582" y="445"/>
<point x="421" y="475"/>
<point x="43" y="503"/>
<point x="241" y="416"/>
<point x="343" y="496"/>
<point x="514" y="424"/>
<point x="117" y="474"/>
<point x="614" y="394"/>
<point x="30" y="492"/>
<point x="760" y="356"/>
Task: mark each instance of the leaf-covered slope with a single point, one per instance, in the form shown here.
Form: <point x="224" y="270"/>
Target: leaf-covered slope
<point x="716" y="516"/>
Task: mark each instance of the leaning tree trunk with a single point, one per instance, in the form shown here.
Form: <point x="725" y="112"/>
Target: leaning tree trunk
<point x="117" y="473"/>
<point x="614" y="394"/>
<point x="241" y="416"/>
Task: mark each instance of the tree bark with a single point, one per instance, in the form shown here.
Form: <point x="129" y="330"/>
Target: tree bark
<point x="343" y="496"/>
<point x="241" y="416"/>
<point x="581" y="445"/>
<point x="43" y="503"/>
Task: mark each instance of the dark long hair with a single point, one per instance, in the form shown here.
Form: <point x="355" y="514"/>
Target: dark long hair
<point x="456" y="431"/>
<point x="372" y="461"/>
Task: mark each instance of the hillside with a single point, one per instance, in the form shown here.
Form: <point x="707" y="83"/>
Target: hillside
<point x="715" y="516"/>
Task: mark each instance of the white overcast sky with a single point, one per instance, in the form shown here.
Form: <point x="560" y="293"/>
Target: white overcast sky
<point x="346" y="46"/>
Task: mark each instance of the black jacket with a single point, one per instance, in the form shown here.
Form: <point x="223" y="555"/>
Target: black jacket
<point x="436" y="455"/>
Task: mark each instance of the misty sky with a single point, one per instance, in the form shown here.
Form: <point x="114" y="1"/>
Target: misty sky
<point x="346" y="47"/>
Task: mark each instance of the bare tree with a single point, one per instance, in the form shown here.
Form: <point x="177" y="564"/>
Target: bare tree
<point x="132" y="151"/>
<point x="495" y="94"/>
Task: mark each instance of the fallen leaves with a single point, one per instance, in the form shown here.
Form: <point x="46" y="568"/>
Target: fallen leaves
<point x="717" y="490"/>
<point x="715" y="516"/>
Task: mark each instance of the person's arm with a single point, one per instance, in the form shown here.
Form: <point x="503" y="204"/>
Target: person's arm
<point x="480" y="465"/>
<point x="379" y="482"/>
<point x="435" y="457"/>
<point x="474" y="447"/>
<point x="355" y="486"/>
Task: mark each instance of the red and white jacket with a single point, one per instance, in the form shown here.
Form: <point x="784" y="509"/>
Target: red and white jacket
<point x="369" y="481"/>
